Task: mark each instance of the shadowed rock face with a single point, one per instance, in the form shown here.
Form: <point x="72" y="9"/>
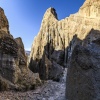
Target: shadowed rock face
<point x="83" y="78"/>
<point x="14" y="73"/>
<point x="55" y="36"/>
<point x="21" y="51"/>
<point x="8" y="57"/>
<point x="83" y="69"/>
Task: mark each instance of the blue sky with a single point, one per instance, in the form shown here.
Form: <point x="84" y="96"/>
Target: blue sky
<point x="25" y="16"/>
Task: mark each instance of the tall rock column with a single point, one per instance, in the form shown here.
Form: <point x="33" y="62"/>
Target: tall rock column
<point x="4" y="26"/>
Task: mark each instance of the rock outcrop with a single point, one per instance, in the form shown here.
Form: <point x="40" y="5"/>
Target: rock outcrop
<point x="83" y="78"/>
<point x="4" y="25"/>
<point x="56" y="43"/>
<point x="14" y="73"/>
<point x="45" y="48"/>
<point x="55" y="37"/>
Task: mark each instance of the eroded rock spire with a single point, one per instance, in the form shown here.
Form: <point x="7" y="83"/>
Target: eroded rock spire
<point x="4" y="25"/>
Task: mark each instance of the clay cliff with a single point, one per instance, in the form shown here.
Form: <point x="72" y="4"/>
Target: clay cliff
<point x="47" y="42"/>
<point x="54" y="40"/>
<point x="14" y="73"/>
<point x="73" y="42"/>
<point x="55" y="47"/>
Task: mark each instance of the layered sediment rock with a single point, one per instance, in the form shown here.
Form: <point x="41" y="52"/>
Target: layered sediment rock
<point x="14" y="73"/>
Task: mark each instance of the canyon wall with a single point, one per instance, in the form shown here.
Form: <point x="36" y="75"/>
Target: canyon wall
<point x="56" y="45"/>
<point x="55" y="38"/>
<point x="14" y="73"/>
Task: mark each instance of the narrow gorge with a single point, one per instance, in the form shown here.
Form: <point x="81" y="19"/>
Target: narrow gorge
<point x="64" y="62"/>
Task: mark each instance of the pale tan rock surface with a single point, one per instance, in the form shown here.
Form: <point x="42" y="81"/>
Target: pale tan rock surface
<point x="55" y="35"/>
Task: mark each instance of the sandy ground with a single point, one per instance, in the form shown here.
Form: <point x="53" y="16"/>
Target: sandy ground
<point x="49" y="91"/>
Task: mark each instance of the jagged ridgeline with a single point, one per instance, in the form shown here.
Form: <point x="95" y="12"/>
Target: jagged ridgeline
<point x="54" y="40"/>
<point x="14" y="73"/>
<point x="53" y="47"/>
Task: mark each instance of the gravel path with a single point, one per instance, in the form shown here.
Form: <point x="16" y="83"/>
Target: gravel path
<point x="49" y="91"/>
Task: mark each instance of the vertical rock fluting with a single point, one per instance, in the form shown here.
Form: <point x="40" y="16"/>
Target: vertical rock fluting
<point x="47" y="40"/>
<point x="56" y="35"/>
<point x="57" y="39"/>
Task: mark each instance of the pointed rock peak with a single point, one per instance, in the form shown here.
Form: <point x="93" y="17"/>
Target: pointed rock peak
<point x="4" y="25"/>
<point x="1" y="12"/>
<point x="1" y="9"/>
<point x="19" y="40"/>
<point x="51" y="12"/>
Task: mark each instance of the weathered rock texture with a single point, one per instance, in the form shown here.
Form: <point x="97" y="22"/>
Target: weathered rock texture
<point x="4" y="25"/>
<point x="83" y="78"/>
<point x="54" y="39"/>
<point x="14" y="73"/>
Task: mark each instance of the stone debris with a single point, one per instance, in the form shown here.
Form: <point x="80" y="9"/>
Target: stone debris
<point x="49" y="91"/>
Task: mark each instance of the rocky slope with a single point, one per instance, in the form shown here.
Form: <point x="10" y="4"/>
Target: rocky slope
<point x="14" y="73"/>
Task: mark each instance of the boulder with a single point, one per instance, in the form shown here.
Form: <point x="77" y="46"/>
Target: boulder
<point x="83" y="76"/>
